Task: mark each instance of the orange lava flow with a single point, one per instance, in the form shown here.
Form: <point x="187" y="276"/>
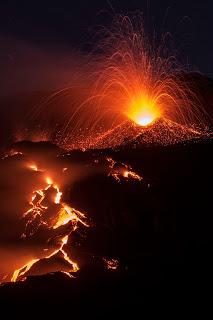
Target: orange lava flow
<point x="41" y="201"/>
<point x="20" y="272"/>
<point x="47" y="221"/>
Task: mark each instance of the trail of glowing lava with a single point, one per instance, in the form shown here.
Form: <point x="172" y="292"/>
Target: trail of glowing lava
<point x="43" y="200"/>
<point x="21" y="271"/>
<point x="42" y="240"/>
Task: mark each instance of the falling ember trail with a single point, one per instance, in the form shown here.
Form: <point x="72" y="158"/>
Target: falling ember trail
<point x="45" y="221"/>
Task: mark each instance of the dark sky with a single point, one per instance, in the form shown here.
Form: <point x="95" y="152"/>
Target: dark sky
<point x="64" y="25"/>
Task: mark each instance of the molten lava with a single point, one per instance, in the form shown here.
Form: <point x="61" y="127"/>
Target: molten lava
<point x="43" y="221"/>
<point x="48" y="212"/>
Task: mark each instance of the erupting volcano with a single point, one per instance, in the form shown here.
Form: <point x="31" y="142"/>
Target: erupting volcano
<point x="111" y="195"/>
<point x="127" y="78"/>
<point x="133" y="79"/>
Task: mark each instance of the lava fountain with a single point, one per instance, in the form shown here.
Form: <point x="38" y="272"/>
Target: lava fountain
<point x="133" y="78"/>
<point x="127" y="78"/>
<point x="140" y="80"/>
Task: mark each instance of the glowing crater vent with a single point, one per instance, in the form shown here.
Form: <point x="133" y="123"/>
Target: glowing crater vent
<point x="143" y="112"/>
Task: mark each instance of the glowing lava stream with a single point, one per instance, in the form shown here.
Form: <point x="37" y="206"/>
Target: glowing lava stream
<point x="65" y="215"/>
<point x="51" y="221"/>
<point x="22" y="271"/>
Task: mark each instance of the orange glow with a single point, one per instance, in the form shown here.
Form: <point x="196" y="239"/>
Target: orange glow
<point x="49" y="181"/>
<point x="33" y="167"/>
<point x="130" y="174"/>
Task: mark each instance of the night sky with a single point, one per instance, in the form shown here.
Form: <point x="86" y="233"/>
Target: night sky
<point x="53" y="27"/>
